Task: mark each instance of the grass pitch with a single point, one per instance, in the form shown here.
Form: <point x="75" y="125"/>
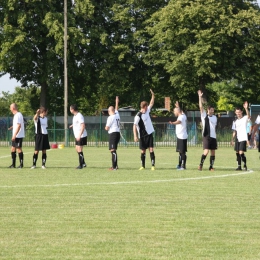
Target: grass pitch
<point x="63" y="213"/>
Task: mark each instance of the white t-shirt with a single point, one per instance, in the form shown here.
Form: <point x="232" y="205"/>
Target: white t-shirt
<point x="44" y="125"/>
<point x="240" y="125"/>
<point x="181" y="129"/>
<point x="18" y="119"/>
<point x="144" y="123"/>
<point x="212" y="124"/>
<point x="257" y="121"/>
<point x="78" y="119"/>
<point x="113" y="122"/>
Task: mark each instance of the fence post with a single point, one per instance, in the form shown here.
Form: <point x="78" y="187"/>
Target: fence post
<point x="54" y="126"/>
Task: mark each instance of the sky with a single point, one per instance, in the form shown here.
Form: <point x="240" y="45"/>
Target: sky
<point x="7" y="84"/>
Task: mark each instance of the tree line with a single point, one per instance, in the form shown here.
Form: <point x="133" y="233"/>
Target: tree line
<point x="126" y="47"/>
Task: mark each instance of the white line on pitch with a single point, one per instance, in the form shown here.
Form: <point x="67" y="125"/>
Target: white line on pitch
<point x="130" y="182"/>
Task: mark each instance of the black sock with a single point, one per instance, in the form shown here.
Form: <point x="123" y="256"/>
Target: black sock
<point x="114" y="159"/>
<point x="44" y="158"/>
<point x="238" y="160"/>
<point x="183" y="160"/>
<point x="212" y="160"/>
<point x="80" y="159"/>
<point x="243" y="158"/>
<point x="179" y="160"/>
<point x="143" y="159"/>
<point x="35" y="158"/>
<point x="83" y="158"/>
<point x="152" y="156"/>
<point x="203" y="157"/>
<point x="21" y="158"/>
<point x="13" y="154"/>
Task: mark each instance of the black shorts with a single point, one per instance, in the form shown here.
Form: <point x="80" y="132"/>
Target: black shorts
<point x="114" y="139"/>
<point x="17" y="143"/>
<point x="146" y="142"/>
<point x="209" y="143"/>
<point x="240" y="146"/>
<point x="41" y="142"/>
<point x="81" y="142"/>
<point x="181" y="145"/>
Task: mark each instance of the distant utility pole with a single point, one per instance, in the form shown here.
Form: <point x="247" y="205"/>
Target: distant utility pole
<point x="65" y="74"/>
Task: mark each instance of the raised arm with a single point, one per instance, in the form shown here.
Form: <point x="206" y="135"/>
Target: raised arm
<point x="245" y="105"/>
<point x="152" y="99"/>
<point x="117" y="102"/>
<point x="200" y="94"/>
<point x="36" y="114"/>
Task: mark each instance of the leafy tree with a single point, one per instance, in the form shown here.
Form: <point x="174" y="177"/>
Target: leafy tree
<point x="204" y="41"/>
<point x="31" y="41"/>
<point x="26" y="99"/>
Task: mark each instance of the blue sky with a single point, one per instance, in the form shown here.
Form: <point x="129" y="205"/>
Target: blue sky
<point x="7" y="84"/>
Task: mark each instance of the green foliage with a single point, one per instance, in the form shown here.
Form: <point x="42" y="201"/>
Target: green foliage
<point x="27" y="100"/>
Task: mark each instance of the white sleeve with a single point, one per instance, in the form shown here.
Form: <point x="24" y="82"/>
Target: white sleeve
<point x="137" y="119"/>
<point x="257" y="121"/>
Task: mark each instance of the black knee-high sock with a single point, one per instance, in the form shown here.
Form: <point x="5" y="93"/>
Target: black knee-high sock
<point x="35" y="158"/>
<point x="13" y="154"/>
<point x="212" y="160"/>
<point x="21" y="158"/>
<point x="44" y="158"/>
<point x="152" y="156"/>
<point x="183" y="159"/>
<point x="83" y="158"/>
<point x="238" y="160"/>
<point x="114" y="159"/>
<point x="143" y="159"/>
<point x="179" y="160"/>
<point x="237" y="155"/>
<point x="203" y="157"/>
<point x="243" y="158"/>
<point x="80" y="159"/>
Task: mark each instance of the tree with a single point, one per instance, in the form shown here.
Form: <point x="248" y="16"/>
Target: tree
<point x="31" y="41"/>
<point x="200" y="42"/>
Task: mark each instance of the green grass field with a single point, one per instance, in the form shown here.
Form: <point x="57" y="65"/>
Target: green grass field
<point x="63" y="213"/>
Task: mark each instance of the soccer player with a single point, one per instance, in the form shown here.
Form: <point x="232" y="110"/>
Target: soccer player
<point x="209" y="123"/>
<point x="181" y="133"/>
<point x="143" y="131"/>
<point x="17" y="136"/>
<point x="41" y="136"/>
<point x="113" y="128"/>
<point x="80" y="134"/>
<point x="240" y="126"/>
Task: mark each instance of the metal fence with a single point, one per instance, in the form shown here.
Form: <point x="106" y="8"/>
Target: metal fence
<point x="163" y="137"/>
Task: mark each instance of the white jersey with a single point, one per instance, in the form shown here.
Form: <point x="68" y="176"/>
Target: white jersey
<point x="212" y="124"/>
<point x="113" y="122"/>
<point x="18" y="119"/>
<point x="240" y="125"/>
<point x="181" y="129"/>
<point x="78" y="119"/>
<point x="257" y="121"/>
<point x="44" y="125"/>
<point x="143" y="123"/>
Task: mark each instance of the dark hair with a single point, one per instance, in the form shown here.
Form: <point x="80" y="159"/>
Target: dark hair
<point x="209" y="107"/>
<point x="239" y="108"/>
<point x="43" y="109"/>
<point x="74" y="107"/>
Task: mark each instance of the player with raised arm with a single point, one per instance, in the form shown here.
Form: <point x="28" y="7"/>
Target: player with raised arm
<point x="41" y="136"/>
<point x="80" y="134"/>
<point x="240" y="126"/>
<point x="113" y="128"/>
<point x="181" y="133"/>
<point x="143" y="131"/>
<point x="209" y="123"/>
